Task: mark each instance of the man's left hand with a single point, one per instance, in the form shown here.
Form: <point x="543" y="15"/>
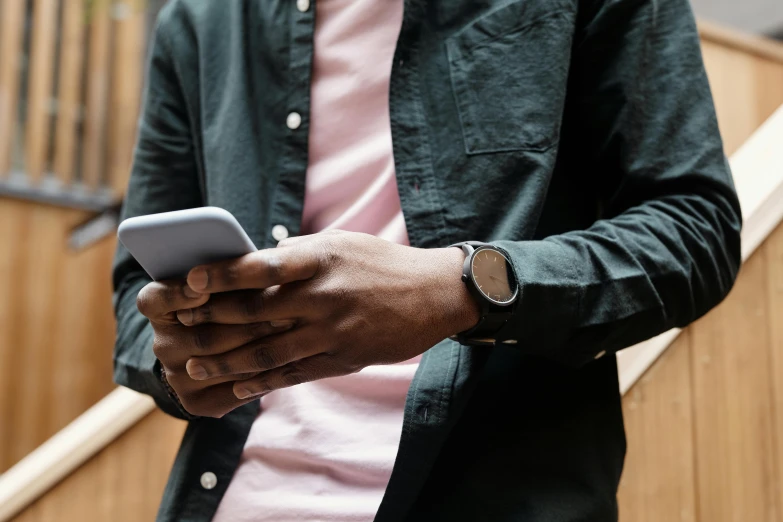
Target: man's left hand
<point x="355" y="300"/>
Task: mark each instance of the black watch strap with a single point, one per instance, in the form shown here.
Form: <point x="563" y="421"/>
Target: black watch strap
<point x="483" y="334"/>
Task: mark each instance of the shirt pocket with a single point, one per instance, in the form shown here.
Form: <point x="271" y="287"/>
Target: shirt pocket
<point x="509" y="70"/>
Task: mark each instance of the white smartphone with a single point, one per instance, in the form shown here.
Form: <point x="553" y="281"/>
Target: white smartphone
<point x="169" y="244"/>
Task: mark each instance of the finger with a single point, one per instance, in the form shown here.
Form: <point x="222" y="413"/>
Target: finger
<point x="179" y="343"/>
<point x="257" y="356"/>
<point x="213" y="401"/>
<point x="159" y="299"/>
<point x="180" y="380"/>
<point x="248" y="306"/>
<point x="295" y="240"/>
<point x="262" y="269"/>
<point x="313" y="368"/>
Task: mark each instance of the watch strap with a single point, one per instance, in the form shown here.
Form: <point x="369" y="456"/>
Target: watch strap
<point x="483" y="334"/>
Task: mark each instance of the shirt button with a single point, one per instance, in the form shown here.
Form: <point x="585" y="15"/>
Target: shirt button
<point x="600" y="354"/>
<point x="279" y="232"/>
<point x="303" y="5"/>
<point x="293" y="121"/>
<point x="208" y="480"/>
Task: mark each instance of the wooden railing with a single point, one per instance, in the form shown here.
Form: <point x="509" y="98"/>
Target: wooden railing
<point x="70" y="81"/>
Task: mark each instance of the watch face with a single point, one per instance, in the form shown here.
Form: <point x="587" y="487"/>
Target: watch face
<point x="493" y="276"/>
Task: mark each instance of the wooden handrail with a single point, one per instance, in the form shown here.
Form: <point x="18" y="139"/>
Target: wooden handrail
<point x="758" y="177"/>
<point x="69" y="448"/>
<point x="755" y="45"/>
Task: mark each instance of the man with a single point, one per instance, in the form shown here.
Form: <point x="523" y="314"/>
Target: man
<point x="576" y="139"/>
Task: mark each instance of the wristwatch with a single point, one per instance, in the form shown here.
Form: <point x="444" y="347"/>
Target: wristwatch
<point x="490" y="279"/>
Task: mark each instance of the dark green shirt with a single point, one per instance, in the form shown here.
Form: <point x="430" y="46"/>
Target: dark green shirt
<point x="577" y="135"/>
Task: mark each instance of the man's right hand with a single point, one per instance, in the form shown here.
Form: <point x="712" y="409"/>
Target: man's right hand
<point x="175" y="343"/>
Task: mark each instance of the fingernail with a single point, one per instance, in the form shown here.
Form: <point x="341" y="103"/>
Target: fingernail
<point x="190" y="293"/>
<point x="185" y="316"/>
<point x="244" y="393"/>
<point x="198" y="279"/>
<point x="281" y="324"/>
<point x="196" y="371"/>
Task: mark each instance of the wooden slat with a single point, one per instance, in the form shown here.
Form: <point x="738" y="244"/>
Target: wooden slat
<point x="96" y="104"/>
<point x="659" y="480"/>
<point x="14" y="236"/>
<point x="127" y="73"/>
<point x="774" y="247"/>
<point x="69" y="89"/>
<point x="732" y="404"/>
<point x="84" y="318"/>
<point x="56" y="325"/>
<point x="42" y="49"/>
<point x="11" y="26"/>
<point x="747" y="90"/>
<point x="746" y="43"/>
<point x="122" y="483"/>
<point x="38" y="302"/>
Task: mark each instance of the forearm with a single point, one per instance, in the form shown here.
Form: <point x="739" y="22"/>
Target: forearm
<point x="656" y="266"/>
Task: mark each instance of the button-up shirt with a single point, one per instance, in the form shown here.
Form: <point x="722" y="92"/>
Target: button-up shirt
<point x="578" y="136"/>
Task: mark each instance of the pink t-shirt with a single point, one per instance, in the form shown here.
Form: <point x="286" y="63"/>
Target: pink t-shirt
<point x="324" y="450"/>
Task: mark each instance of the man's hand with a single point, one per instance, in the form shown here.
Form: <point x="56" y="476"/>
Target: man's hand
<point x="354" y="301"/>
<point x="175" y="344"/>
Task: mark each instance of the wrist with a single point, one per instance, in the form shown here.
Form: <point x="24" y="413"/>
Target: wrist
<point x="462" y="312"/>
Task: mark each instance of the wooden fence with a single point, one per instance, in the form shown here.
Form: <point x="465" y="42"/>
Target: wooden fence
<point x="70" y="81"/>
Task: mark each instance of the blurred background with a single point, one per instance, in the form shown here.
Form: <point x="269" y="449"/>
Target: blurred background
<point x="704" y="420"/>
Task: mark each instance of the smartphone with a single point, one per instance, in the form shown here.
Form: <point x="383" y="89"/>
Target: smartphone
<point x="169" y="244"/>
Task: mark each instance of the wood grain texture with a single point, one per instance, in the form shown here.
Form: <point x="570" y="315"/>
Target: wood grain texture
<point x="732" y="403"/>
<point x="746" y="43"/>
<point x="11" y="33"/>
<point x="127" y="72"/>
<point x="97" y="97"/>
<point x="56" y="325"/>
<point x="122" y="483"/>
<point x="747" y="89"/>
<point x="39" y="97"/>
<point x="659" y="482"/>
<point x="774" y="251"/>
<point x="69" y="92"/>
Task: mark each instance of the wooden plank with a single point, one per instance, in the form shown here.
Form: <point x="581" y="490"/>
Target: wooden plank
<point x="71" y="447"/>
<point x="732" y="404"/>
<point x="11" y="26"/>
<point x="96" y="104"/>
<point x="39" y="97"/>
<point x="15" y="234"/>
<point x="84" y="322"/>
<point x="38" y="304"/>
<point x="127" y="79"/>
<point x="122" y="483"/>
<point x="69" y="92"/>
<point x="56" y="322"/>
<point x="746" y="89"/>
<point x="659" y="478"/>
<point x="746" y="43"/>
<point x="774" y="246"/>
